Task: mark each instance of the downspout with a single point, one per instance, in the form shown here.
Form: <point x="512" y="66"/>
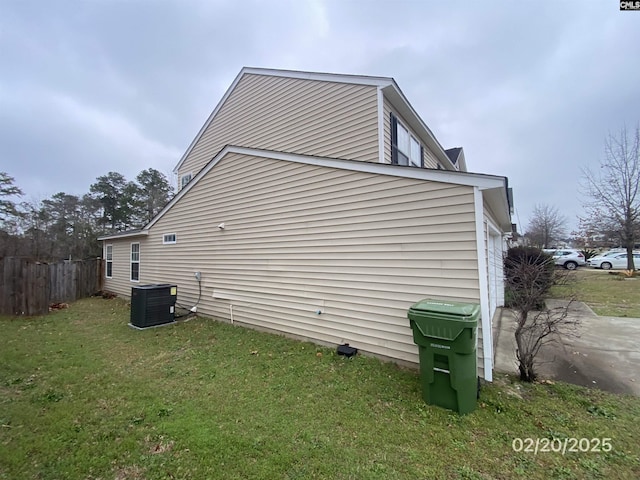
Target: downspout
<point x="481" y="248"/>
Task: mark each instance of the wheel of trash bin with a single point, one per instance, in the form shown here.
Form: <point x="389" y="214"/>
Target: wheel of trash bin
<point x="478" y="394"/>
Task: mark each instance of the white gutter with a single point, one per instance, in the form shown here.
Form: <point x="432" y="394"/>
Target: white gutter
<point x="138" y="233"/>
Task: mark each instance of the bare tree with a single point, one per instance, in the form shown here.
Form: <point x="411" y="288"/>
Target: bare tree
<point x="529" y="273"/>
<point x="612" y="191"/>
<point x="546" y="226"/>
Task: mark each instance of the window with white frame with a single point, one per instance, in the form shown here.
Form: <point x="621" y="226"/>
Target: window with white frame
<point x="108" y="257"/>
<point x="169" y="238"/>
<point x="135" y="262"/>
<point x="184" y="179"/>
<point x="405" y="148"/>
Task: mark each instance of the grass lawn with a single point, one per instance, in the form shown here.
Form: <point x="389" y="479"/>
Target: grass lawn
<point x="83" y="396"/>
<point x="607" y="294"/>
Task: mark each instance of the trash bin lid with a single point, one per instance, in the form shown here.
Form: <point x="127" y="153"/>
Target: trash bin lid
<point x="457" y="309"/>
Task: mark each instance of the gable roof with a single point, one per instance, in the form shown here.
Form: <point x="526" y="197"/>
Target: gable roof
<point x="453" y="154"/>
<point x="457" y="158"/>
<point x="387" y="86"/>
<point x="481" y="181"/>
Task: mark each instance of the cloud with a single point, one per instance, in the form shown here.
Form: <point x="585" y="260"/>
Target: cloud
<point x="529" y="89"/>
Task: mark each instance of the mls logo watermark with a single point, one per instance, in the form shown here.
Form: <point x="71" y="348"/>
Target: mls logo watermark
<point x="630" y="5"/>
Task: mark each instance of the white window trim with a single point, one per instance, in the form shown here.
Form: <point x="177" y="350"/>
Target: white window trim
<point x="419" y="154"/>
<point x="107" y="261"/>
<point x="411" y="137"/>
<point x="181" y="185"/>
<point x="169" y="242"/>
<point x="381" y="118"/>
<point x="131" y="262"/>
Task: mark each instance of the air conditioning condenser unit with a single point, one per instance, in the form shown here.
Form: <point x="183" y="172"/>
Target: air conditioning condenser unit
<point x="153" y="305"/>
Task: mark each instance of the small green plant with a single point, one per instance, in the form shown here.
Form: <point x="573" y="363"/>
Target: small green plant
<point x="599" y="411"/>
<point x="165" y="412"/>
<point x="51" y="395"/>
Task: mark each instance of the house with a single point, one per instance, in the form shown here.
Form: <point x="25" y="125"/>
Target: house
<point x="321" y="206"/>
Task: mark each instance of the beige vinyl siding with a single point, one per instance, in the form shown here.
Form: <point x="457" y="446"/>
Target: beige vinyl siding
<point x="292" y="115"/>
<point x="359" y="247"/>
<point x="430" y="160"/>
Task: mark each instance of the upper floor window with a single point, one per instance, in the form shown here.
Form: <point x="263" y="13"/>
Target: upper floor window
<point x="184" y="179"/>
<point x="405" y="148"/>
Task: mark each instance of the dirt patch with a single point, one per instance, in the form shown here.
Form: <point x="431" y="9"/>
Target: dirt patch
<point x="132" y="472"/>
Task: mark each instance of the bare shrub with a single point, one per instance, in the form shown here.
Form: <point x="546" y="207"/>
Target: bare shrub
<point x="529" y="274"/>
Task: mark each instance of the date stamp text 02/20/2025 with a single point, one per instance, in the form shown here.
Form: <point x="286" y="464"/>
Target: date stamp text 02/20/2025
<point x="561" y="445"/>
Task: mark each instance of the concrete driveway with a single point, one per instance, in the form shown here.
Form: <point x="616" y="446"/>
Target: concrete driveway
<point x="605" y="354"/>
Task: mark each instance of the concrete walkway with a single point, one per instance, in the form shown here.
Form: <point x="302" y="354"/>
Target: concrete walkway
<point x="605" y="354"/>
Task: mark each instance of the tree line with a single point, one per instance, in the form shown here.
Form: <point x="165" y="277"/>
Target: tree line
<point x="611" y="198"/>
<point x="67" y="226"/>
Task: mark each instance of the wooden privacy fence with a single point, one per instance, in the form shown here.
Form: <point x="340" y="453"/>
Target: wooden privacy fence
<point x="28" y="287"/>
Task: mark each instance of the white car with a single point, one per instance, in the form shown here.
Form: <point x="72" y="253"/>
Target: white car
<point x="568" y="258"/>
<point x="617" y="261"/>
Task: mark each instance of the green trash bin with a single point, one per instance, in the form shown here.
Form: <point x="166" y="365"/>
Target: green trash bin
<point x="445" y="333"/>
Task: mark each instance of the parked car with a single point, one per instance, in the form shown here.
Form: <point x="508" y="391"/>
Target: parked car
<point x="617" y="261"/>
<point x="611" y="252"/>
<point x="568" y="258"/>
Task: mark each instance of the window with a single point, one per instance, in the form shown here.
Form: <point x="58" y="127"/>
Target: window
<point x="108" y="256"/>
<point x="402" y="153"/>
<point x="135" y="262"/>
<point x="184" y="179"/>
<point x="405" y="148"/>
<point x="169" y="238"/>
<point x="415" y="154"/>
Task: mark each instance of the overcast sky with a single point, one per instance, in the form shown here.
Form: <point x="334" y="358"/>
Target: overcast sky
<point x="530" y="89"/>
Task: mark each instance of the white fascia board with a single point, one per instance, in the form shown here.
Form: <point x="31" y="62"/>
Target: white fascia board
<point x="393" y="92"/>
<point x="380" y="125"/>
<point x="117" y="236"/>
<point x="480" y="181"/>
<point x="485" y="320"/>
<point x="462" y="162"/>
<point x="321" y="77"/>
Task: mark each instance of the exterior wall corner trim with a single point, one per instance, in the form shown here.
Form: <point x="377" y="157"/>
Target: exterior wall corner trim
<point x="487" y="334"/>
